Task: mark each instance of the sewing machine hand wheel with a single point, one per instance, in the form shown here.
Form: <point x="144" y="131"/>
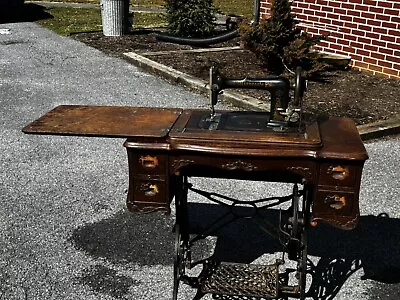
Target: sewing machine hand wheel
<point x="300" y="87"/>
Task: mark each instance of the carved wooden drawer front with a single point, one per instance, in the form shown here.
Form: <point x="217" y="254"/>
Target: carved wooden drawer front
<point x="338" y="174"/>
<point x="149" y="190"/>
<point x="150" y="163"/>
<point x="334" y="203"/>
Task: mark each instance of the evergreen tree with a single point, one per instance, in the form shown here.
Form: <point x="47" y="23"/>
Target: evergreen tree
<point x="280" y="43"/>
<point x="190" y="18"/>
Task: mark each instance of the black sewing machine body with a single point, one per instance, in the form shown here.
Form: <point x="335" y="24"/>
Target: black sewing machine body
<point x="285" y="113"/>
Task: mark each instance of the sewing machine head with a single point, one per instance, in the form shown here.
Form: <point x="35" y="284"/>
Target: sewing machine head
<point x="286" y="110"/>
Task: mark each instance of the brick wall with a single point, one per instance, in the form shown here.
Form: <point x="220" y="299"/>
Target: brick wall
<point x="366" y="30"/>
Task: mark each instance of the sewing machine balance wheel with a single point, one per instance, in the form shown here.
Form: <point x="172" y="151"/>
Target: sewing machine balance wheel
<point x="300" y="87"/>
<point x="296" y="245"/>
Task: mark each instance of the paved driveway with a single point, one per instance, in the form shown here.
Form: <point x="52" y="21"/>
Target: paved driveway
<point x="64" y="230"/>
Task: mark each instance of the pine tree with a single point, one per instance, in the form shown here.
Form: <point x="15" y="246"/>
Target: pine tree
<point x="190" y="18"/>
<point x="280" y="42"/>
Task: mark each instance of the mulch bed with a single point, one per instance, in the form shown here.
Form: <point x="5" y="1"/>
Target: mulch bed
<point x="344" y="93"/>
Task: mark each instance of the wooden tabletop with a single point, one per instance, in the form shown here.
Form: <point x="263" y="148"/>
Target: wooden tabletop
<point x="105" y="121"/>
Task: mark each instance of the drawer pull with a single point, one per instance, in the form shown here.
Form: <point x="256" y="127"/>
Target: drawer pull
<point x="335" y="201"/>
<point x="149" y="162"/>
<point x="149" y="190"/>
<point x="338" y="172"/>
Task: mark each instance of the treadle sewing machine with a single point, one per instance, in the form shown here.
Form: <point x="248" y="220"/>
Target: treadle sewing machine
<point x="166" y="146"/>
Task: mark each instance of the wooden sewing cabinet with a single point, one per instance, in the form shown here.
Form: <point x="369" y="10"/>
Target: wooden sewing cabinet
<point x="165" y="144"/>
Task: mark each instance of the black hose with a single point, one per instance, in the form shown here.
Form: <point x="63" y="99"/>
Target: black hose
<point x="198" y="42"/>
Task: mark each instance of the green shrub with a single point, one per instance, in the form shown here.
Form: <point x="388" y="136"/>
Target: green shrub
<point x="280" y="43"/>
<point x="190" y="18"/>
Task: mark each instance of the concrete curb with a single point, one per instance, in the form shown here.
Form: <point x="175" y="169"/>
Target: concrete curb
<point x="367" y="131"/>
<point x="379" y="129"/>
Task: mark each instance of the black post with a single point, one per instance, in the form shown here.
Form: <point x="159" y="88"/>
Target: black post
<point x="126" y="24"/>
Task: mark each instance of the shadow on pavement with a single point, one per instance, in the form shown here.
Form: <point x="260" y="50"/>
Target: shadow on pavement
<point x="28" y="12"/>
<point x="149" y="240"/>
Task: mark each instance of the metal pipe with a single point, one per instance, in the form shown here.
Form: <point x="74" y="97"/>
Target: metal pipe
<point x="256" y="12"/>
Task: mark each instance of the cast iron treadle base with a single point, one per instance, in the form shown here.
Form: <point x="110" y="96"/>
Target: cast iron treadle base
<point x="242" y="280"/>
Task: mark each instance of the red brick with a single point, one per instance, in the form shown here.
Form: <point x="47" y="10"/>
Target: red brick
<point x="393" y="72"/>
<point x="346" y="18"/>
<point x="369" y="60"/>
<point x="327" y="9"/>
<point x="395" y="59"/>
<point x="356" y="45"/>
<point x="360" y="64"/>
<point x="325" y="31"/>
<point x="377" y="55"/>
<point x="394" y="33"/>
<point x="348" y="6"/>
<point x="379" y="43"/>
<point x="350" y="37"/>
<point x="337" y="23"/>
<point x="360" y="20"/>
<point x="320" y="14"/>
<point x="372" y="35"/>
<point x="386" y="51"/>
<point x="334" y="3"/>
<point x="355" y="57"/>
<point x="390" y="25"/>
<point x="308" y="12"/>
<point x="393" y="12"/>
<point x="385" y="4"/>
<point x="384" y="17"/>
<point x="371" y="48"/>
<point x="365" y="28"/>
<point x="336" y="47"/>
<point x="364" y="40"/>
<point x="370" y="2"/>
<point x="362" y="52"/>
<point x="303" y="5"/>
<point x="388" y="38"/>
<point x="374" y="22"/>
<point x="343" y="42"/>
<point x="367" y="15"/>
<point x="322" y="2"/>
<point x="380" y="30"/>
<point x="394" y="46"/>
<point x="358" y="32"/>
<point x="396" y="19"/>
<point x="375" y="68"/>
<point x="385" y="64"/>
<point x="350" y="25"/>
<point x="361" y="8"/>
<point x="354" y="13"/>
<point x="376" y="9"/>
<point x="350" y="50"/>
<point x="339" y="11"/>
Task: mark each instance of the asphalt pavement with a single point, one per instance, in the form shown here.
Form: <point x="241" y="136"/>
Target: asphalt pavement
<point x="64" y="229"/>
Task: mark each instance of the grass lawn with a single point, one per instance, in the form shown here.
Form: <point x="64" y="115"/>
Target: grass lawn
<point x="67" y="20"/>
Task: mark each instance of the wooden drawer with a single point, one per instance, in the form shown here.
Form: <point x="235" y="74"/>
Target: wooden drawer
<point x="151" y="163"/>
<point x="336" y="174"/>
<point x="337" y="203"/>
<point x="150" y="190"/>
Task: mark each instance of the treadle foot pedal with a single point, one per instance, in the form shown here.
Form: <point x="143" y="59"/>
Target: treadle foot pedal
<point x="242" y="280"/>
